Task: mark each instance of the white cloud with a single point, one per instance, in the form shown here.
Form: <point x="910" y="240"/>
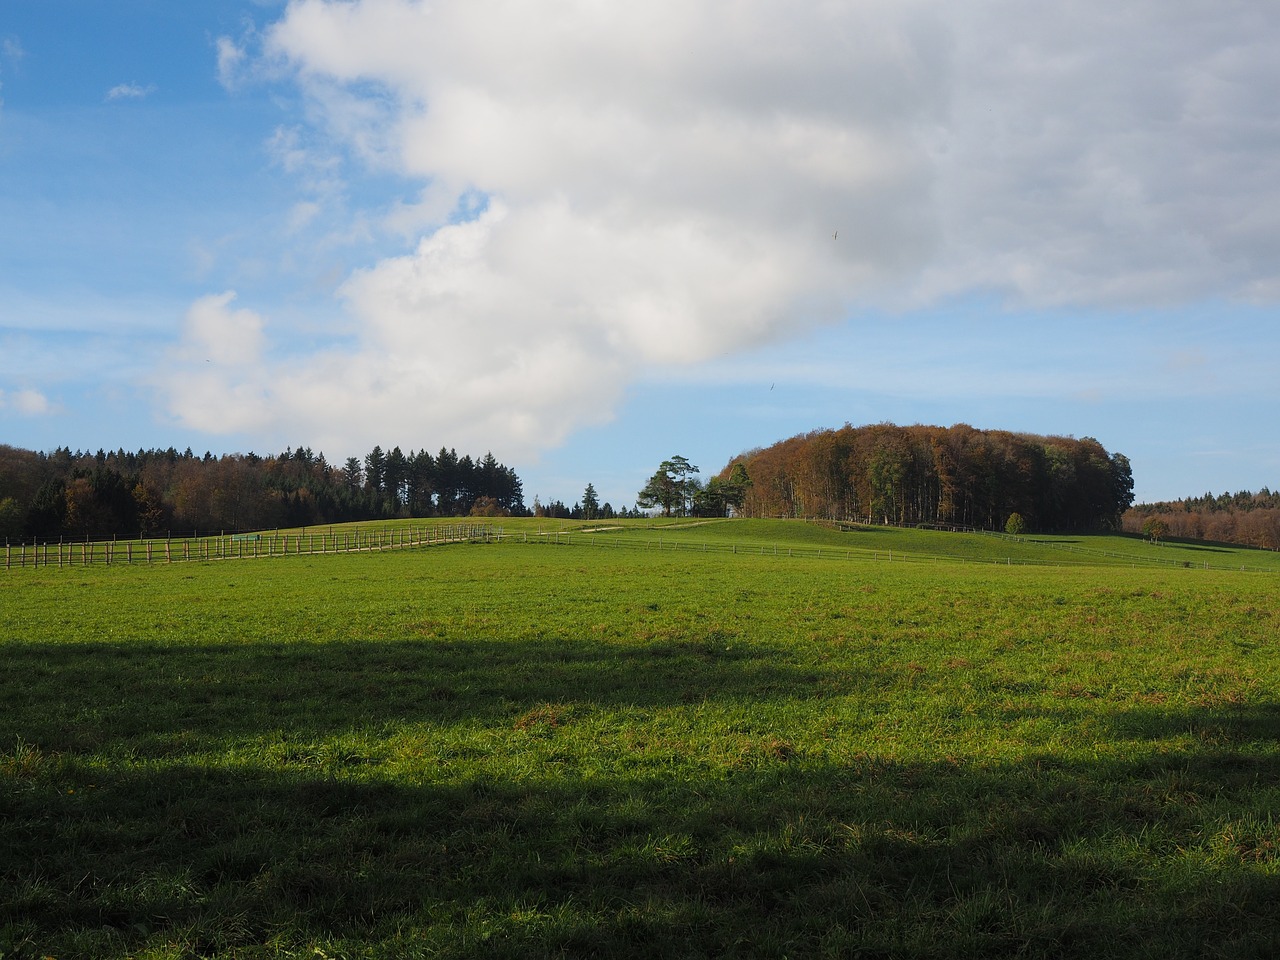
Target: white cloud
<point x="215" y="333"/>
<point x="665" y="179"/>
<point x="27" y="403"/>
<point x="129" y="91"/>
<point x="231" y="61"/>
<point x="213" y="379"/>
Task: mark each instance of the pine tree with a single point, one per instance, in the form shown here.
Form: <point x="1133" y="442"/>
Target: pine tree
<point x="590" y="503"/>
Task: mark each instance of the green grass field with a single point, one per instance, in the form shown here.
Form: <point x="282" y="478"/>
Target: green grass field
<point x="689" y="741"/>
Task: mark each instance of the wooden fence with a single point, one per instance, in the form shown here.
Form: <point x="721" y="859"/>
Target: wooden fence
<point x="403" y="536"/>
<point x="240" y="546"/>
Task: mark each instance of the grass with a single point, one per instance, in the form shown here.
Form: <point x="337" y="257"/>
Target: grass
<point x="861" y="542"/>
<point x="503" y="750"/>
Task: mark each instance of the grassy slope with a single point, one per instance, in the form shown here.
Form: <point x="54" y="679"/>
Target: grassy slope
<point x="503" y="750"/>
<point x="875" y="542"/>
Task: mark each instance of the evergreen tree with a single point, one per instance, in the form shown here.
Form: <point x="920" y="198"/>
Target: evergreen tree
<point x="375" y="470"/>
<point x="590" y="503"/>
<point x="353" y="474"/>
<point x="396" y="478"/>
<point x="447" y="482"/>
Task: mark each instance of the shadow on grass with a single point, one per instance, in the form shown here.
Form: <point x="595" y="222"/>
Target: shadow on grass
<point x="130" y="694"/>
<point x="1170" y="854"/>
<point x="877" y="859"/>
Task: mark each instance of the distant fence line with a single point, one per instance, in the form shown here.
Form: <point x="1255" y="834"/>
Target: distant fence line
<point x="603" y="539"/>
<point x="239" y="546"/>
<point x="268" y="544"/>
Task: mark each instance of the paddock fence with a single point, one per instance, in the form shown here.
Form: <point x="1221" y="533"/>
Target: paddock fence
<point x="377" y="539"/>
<point x="241" y="546"/>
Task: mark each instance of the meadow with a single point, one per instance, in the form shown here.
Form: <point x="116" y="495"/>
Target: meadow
<point x="749" y="738"/>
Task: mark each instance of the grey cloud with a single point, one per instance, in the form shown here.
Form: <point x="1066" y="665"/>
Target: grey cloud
<point x="1103" y="154"/>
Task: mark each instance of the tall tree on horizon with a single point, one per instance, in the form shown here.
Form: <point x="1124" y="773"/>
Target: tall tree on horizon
<point x="671" y="487"/>
<point x="590" y="503"/>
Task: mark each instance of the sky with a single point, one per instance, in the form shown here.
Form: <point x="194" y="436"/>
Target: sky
<point x="589" y="236"/>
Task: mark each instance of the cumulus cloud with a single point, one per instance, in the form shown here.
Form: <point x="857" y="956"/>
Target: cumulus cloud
<point x="214" y="377"/>
<point x="606" y="188"/>
<point x="27" y="403"/>
<point x="216" y="333"/>
<point x="129" y="91"/>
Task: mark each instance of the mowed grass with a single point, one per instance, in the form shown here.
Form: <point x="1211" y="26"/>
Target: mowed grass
<point x="519" y="750"/>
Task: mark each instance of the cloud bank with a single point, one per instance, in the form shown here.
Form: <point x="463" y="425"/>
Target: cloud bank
<point x="604" y="189"/>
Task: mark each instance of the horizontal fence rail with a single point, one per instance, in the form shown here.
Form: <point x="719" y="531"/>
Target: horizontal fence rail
<point x="240" y="546"/>
<point x="373" y="539"/>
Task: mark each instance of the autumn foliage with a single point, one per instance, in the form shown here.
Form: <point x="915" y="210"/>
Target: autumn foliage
<point x="957" y="475"/>
<point x="1244" y="518"/>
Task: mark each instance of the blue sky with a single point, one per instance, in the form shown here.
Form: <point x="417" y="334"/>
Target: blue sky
<point x="589" y="237"/>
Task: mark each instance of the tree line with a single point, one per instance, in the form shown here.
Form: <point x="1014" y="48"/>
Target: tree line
<point x="46" y="496"/>
<point x="588" y="508"/>
<point x="957" y="475"/>
<point x="1245" y="518"/>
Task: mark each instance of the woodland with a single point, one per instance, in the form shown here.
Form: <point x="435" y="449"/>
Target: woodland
<point x="947" y="476"/>
<point x="1242" y="518"/>
<point x="154" y="492"/>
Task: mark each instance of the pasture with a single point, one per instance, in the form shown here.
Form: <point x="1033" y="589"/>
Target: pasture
<point x="657" y="740"/>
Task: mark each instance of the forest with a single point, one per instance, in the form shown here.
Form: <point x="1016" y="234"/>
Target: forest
<point x="157" y="492"/>
<point x="1243" y="518"/>
<point x="949" y="476"/>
